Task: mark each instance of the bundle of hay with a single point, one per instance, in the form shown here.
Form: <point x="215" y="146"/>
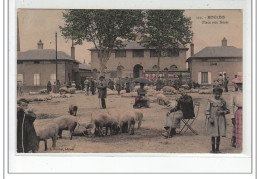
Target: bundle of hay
<point x="33" y="93"/>
<point x="169" y="90"/>
<point x="192" y="90"/>
<point x="130" y="95"/>
<point x="205" y="91"/>
<point x="43" y="91"/>
<point x="72" y="90"/>
<point x="111" y="92"/>
<point x="122" y="91"/>
<point x="63" y="90"/>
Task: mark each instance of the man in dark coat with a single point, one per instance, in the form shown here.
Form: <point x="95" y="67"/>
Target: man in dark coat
<point x="185" y="103"/>
<point x="102" y="91"/>
<point x="118" y="86"/>
<point x="48" y="87"/>
<point x="159" y="84"/>
<point x="111" y="84"/>
<point x="92" y="86"/>
<point x="225" y="82"/>
<point x="26" y="135"/>
<point x="127" y="85"/>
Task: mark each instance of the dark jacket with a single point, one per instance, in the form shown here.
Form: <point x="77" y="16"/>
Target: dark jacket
<point x="185" y="103"/>
<point x="102" y="89"/>
<point x="26" y="132"/>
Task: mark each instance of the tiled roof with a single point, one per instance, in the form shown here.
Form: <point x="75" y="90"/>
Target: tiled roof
<point x="135" y="45"/>
<point x="43" y="54"/>
<point x="223" y="51"/>
<point x="85" y="66"/>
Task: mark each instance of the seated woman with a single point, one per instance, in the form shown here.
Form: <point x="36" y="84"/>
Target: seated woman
<point x="184" y="109"/>
<point x="141" y="100"/>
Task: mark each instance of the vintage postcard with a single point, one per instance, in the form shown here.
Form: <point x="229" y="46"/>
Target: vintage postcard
<point x="131" y="82"/>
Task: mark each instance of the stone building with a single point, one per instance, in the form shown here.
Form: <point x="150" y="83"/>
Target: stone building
<point x="135" y="60"/>
<point x="206" y="65"/>
<point x="36" y="67"/>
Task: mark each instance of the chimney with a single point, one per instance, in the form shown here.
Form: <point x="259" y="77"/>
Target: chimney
<point x="224" y="42"/>
<point x="191" y="49"/>
<point x="18" y="35"/>
<point x="40" y="45"/>
<point x="72" y="51"/>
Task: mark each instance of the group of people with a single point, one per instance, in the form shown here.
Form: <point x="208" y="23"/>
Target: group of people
<point x="221" y="81"/>
<point x="216" y="109"/>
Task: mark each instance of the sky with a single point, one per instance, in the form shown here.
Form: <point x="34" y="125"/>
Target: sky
<point x="209" y="28"/>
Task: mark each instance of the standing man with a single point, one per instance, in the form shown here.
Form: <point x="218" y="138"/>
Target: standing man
<point x="225" y="82"/>
<point x="159" y="84"/>
<point x="87" y="85"/>
<point x="118" y="86"/>
<point x="102" y="91"/>
<point x="127" y="85"/>
<point x="48" y="87"/>
<point x="110" y="84"/>
<point x="92" y="86"/>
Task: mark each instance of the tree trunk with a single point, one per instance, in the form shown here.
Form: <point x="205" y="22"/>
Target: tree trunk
<point x="158" y="66"/>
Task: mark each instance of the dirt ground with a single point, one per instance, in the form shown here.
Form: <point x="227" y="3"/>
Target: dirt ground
<point x="148" y="139"/>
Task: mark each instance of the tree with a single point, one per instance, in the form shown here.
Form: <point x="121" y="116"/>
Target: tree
<point x="165" y="30"/>
<point x="106" y="29"/>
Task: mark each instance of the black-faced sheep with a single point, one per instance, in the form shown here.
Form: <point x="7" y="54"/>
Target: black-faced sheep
<point x="73" y="109"/>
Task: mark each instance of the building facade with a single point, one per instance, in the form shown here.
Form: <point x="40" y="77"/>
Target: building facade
<point x="206" y="65"/>
<point x="36" y="67"/>
<point x="135" y="60"/>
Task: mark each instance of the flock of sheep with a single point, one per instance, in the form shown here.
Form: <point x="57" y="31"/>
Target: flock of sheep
<point x="112" y="120"/>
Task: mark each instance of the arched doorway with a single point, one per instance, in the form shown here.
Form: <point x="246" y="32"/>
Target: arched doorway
<point x="138" y="71"/>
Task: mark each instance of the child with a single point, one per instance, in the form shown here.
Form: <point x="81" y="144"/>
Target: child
<point x="215" y="118"/>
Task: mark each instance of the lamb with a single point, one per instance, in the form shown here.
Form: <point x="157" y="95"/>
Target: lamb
<point x="139" y="116"/>
<point x="46" y="131"/>
<point x="162" y="99"/>
<point x="127" y="122"/>
<point x="66" y="122"/>
<point x="73" y="109"/>
<point x="83" y="129"/>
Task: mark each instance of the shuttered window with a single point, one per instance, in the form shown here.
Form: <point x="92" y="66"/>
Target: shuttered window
<point x="36" y="79"/>
<point x="204" y="77"/>
<point x="20" y="78"/>
<point x="53" y="78"/>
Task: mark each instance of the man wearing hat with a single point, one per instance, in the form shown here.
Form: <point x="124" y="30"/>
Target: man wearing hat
<point x="102" y="91"/>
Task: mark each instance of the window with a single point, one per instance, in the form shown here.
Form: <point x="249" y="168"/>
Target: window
<point x="173" y="67"/>
<point x="120" y="53"/>
<point x="36" y="79"/>
<point x="19" y="62"/>
<point x="53" y="78"/>
<point x="36" y="62"/>
<point x="173" y="53"/>
<point x="155" y="68"/>
<point x="153" y="53"/>
<point x="204" y="77"/>
<point x="138" y="53"/>
<point x="20" y="78"/>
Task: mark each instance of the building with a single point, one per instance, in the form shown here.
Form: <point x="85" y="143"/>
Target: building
<point x="36" y="67"/>
<point x="135" y="60"/>
<point x="84" y="72"/>
<point x="206" y="65"/>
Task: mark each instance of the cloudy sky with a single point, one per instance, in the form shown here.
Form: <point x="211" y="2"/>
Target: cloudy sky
<point x="209" y="27"/>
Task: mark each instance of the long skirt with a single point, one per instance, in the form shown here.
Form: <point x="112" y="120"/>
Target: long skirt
<point x="237" y="129"/>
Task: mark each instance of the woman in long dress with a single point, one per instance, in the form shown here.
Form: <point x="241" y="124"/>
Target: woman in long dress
<point x="237" y="113"/>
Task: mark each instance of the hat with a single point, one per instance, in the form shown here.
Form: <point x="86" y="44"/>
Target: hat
<point x="237" y="80"/>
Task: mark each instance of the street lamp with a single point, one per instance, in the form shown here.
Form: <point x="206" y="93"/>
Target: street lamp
<point x="56" y="59"/>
